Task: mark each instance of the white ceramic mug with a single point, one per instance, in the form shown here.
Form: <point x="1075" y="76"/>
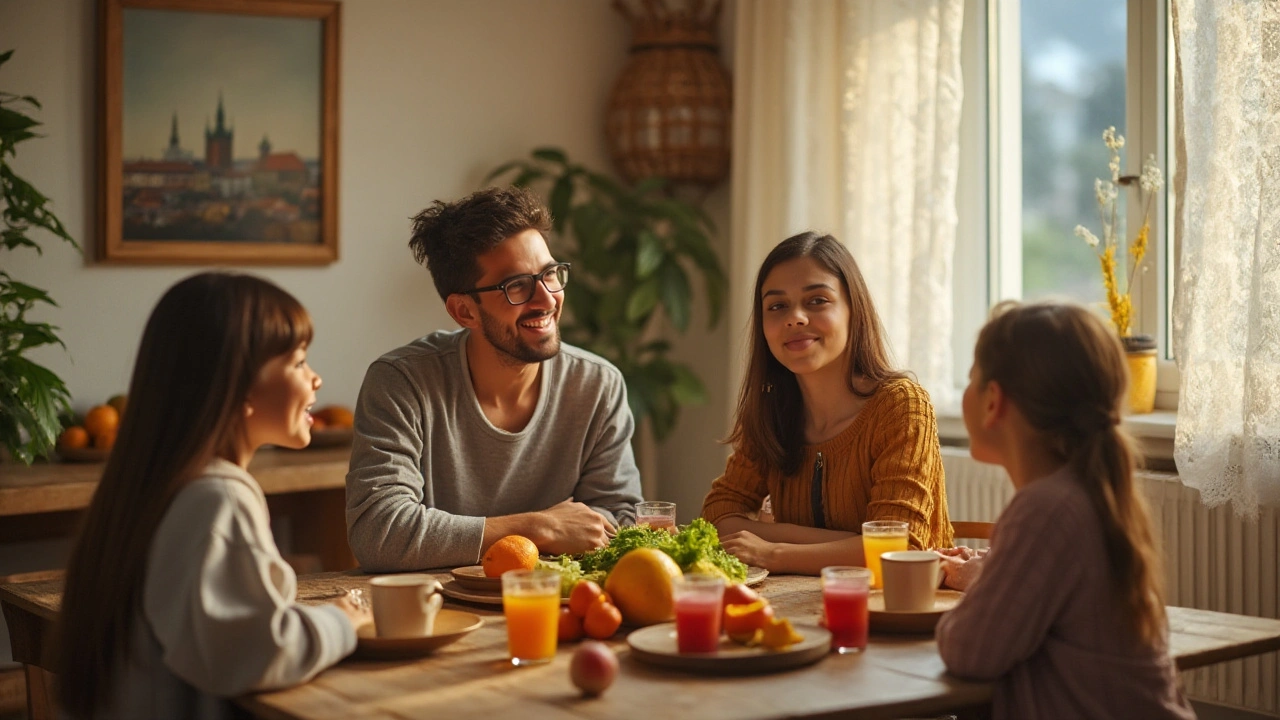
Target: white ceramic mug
<point x="910" y="580"/>
<point x="405" y="605"/>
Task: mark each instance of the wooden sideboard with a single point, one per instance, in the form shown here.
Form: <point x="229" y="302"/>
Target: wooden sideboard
<point x="46" y="500"/>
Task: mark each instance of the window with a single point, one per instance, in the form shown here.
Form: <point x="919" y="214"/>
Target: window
<point x="1043" y="79"/>
<point x="1072" y="84"/>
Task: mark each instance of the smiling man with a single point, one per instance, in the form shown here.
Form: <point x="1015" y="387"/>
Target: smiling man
<point x="465" y="436"/>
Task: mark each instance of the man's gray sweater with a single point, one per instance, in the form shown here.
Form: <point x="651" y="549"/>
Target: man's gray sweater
<point x="427" y="466"/>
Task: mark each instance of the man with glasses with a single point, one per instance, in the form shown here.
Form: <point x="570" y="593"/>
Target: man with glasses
<point x="463" y="437"/>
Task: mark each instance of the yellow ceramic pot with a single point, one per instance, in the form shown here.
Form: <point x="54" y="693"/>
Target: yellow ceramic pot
<point x="1140" y="352"/>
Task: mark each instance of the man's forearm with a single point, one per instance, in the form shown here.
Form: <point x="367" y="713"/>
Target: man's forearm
<point x="394" y="543"/>
<point x="529" y="525"/>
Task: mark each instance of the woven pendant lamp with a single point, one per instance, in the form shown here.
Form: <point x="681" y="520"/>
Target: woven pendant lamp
<point x="668" y="115"/>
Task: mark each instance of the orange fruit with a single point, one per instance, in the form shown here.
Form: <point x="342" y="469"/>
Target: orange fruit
<point x="778" y="634"/>
<point x="105" y="441"/>
<point x="570" y="627"/>
<point x="739" y="594"/>
<point x="318" y="423"/>
<point x="336" y="416"/>
<point x="73" y="438"/>
<point x="101" y="419"/>
<point x="640" y="585"/>
<point x="742" y="621"/>
<point x="602" y="619"/>
<point x="118" y="402"/>
<point x="513" y="552"/>
<point x="584" y="593"/>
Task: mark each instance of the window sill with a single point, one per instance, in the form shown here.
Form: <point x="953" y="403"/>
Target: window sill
<point x="1154" y="432"/>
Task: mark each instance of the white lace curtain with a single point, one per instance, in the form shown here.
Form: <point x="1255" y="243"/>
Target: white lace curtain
<point x="1227" y="311"/>
<point x="846" y="121"/>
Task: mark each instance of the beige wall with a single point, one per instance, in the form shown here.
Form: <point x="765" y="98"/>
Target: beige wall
<point x="434" y="94"/>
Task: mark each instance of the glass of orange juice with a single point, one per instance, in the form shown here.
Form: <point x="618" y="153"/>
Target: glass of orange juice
<point x="879" y="537"/>
<point x="531" y="605"/>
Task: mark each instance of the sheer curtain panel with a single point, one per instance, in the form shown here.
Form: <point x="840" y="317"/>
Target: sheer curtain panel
<point x="846" y="120"/>
<point x="1227" y="300"/>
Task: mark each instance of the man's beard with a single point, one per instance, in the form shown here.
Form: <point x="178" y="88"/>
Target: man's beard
<point x="509" y="343"/>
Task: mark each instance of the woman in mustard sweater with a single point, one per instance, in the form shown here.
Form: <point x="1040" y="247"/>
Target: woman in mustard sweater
<point x="825" y="427"/>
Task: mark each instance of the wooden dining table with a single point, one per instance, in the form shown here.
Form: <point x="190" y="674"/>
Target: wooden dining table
<point x="897" y="675"/>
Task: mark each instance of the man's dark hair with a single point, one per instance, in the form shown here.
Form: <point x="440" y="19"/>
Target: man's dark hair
<point x="448" y="237"/>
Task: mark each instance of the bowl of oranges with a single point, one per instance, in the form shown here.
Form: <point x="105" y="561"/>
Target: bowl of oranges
<point x="331" y="426"/>
<point x="89" y="438"/>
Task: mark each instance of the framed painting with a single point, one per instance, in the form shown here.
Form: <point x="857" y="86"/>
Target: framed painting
<point x="219" y="132"/>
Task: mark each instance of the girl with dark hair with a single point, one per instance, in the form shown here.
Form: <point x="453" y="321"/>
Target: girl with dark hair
<point x="825" y="427"/>
<point x="176" y="595"/>
<point x="1068" y="610"/>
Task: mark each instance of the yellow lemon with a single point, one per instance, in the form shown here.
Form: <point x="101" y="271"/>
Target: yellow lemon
<point x="640" y="585"/>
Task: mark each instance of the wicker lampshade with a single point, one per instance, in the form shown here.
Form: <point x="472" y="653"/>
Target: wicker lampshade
<point x="669" y="112"/>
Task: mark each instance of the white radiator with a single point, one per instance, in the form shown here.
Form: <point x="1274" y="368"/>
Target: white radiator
<point x="1213" y="561"/>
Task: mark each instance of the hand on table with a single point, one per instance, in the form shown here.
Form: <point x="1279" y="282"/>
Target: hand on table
<point x="749" y="548"/>
<point x="961" y="553"/>
<point x="960" y="566"/>
<point x="355" y="605"/>
<point x="572" y="527"/>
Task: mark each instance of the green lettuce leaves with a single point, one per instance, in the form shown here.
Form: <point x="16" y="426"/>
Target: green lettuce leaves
<point x="696" y="549"/>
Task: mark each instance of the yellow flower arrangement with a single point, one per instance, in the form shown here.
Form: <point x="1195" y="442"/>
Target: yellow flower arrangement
<point x="1108" y="193"/>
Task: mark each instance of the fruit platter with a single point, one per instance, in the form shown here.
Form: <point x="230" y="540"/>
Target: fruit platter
<point x="632" y="583"/>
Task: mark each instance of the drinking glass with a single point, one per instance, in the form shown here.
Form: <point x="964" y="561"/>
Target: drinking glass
<point x="844" y="603"/>
<point x="879" y="537"/>
<point x="531" y="605"/>
<point x="657" y="515"/>
<point x="698" y="599"/>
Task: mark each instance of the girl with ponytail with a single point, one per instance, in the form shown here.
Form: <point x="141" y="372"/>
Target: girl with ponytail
<point x="1067" y="610"/>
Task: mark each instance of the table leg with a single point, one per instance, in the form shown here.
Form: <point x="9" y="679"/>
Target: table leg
<point x="41" y="704"/>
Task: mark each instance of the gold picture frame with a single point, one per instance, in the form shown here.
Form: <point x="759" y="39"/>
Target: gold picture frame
<point x="246" y="68"/>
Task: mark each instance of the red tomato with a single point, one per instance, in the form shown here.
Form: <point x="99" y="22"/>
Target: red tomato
<point x="570" y="626"/>
<point x="603" y="619"/>
<point x="583" y="594"/>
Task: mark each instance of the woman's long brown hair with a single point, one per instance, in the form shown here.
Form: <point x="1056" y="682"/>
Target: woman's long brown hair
<point x="1064" y="369"/>
<point x="769" y="427"/>
<point x="201" y="351"/>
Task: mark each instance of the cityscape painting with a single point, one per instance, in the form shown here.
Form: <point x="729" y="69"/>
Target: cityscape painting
<point x="220" y="132"/>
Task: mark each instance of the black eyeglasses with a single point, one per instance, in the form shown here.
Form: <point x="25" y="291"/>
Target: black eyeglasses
<point x="519" y="288"/>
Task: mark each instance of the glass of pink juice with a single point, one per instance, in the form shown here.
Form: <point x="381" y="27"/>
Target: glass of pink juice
<point x="844" y="603"/>
<point x="697" y="600"/>
<point x="657" y="515"/>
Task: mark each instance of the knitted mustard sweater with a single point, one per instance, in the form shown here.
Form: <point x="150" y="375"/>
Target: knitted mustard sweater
<point x="886" y="465"/>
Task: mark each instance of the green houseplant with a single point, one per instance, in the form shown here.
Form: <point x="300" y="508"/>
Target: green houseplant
<point x="632" y="249"/>
<point x="31" y="396"/>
